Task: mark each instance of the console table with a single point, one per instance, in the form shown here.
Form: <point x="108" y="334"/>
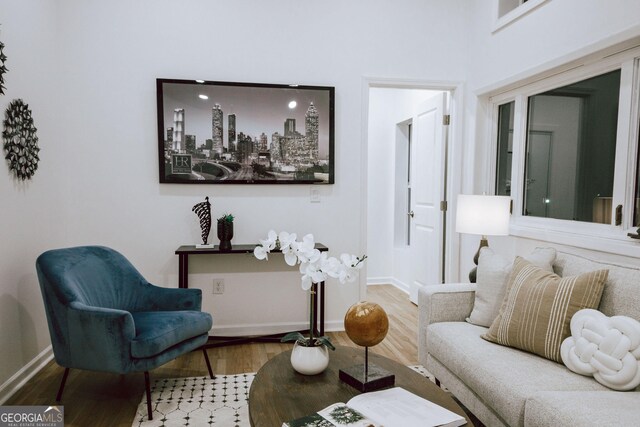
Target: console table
<point x="318" y="290"/>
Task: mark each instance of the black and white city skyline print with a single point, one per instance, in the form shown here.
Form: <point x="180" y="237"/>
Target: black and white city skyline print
<point x="244" y="133"/>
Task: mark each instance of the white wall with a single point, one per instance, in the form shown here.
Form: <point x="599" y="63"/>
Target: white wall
<point x="387" y="108"/>
<point x="89" y="67"/>
<point x="32" y="213"/>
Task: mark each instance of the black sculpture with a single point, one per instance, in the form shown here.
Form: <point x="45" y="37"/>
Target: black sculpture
<point x="203" y="210"/>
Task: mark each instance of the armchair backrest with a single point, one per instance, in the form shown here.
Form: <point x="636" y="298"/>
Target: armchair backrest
<point x="93" y="275"/>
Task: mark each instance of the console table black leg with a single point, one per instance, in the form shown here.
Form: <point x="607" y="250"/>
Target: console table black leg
<point x="183" y="270"/>
<point x="322" y="309"/>
<point x="314" y="302"/>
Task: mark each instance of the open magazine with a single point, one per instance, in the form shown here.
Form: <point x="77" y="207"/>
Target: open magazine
<point x="394" y="407"/>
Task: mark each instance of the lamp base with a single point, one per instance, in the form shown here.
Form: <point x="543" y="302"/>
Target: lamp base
<point x="375" y="378"/>
<point x="472" y="274"/>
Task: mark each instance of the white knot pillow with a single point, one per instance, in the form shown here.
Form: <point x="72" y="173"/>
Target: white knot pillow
<point x="607" y="348"/>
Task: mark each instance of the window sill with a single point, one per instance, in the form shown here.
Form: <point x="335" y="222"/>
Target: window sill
<point x="613" y="243"/>
<point x="515" y="14"/>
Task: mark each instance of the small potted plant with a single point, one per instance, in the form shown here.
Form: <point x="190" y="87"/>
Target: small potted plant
<point x="225" y="232"/>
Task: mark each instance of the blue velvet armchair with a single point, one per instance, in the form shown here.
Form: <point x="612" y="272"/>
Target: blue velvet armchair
<point x="104" y="316"/>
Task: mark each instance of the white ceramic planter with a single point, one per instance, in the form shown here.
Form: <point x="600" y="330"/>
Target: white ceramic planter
<point x="309" y="360"/>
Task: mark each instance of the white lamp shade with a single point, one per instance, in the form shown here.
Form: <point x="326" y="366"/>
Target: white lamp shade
<point x="485" y="215"/>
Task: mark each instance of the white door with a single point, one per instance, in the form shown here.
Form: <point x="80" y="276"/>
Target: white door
<point x="428" y="152"/>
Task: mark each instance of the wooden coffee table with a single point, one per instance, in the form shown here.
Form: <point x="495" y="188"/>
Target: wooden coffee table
<point x="280" y="394"/>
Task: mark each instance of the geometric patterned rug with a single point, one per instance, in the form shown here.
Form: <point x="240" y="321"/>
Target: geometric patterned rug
<point x="198" y="401"/>
<point x="202" y="401"/>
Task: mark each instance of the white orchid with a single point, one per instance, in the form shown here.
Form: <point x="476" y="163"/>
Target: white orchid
<point x="310" y="274"/>
<point x="351" y="261"/>
<point x="261" y="252"/>
<point x="315" y="266"/>
<point x="350" y="266"/>
<point x="306" y="250"/>
<point x="288" y="246"/>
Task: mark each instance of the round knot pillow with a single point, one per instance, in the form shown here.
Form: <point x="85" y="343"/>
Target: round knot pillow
<point x="607" y="348"/>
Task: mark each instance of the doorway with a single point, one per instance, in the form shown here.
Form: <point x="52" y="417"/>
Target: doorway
<point x="407" y="166"/>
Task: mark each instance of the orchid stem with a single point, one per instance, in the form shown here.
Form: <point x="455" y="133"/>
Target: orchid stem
<point x="311" y="325"/>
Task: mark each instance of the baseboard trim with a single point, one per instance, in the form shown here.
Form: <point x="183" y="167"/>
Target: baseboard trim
<point x="402" y="286"/>
<point x="373" y="281"/>
<point x="376" y="281"/>
<point x="19" y="379"/>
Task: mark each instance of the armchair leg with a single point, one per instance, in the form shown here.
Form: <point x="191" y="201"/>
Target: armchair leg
<point x="62" y="383"/>
<point x="206" y="359"/>
<point x="148" y="391"/>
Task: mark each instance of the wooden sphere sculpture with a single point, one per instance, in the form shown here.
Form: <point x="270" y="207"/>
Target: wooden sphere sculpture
<point x="366" y="323"/>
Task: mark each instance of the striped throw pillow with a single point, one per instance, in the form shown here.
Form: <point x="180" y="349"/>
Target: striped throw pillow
<point x="538" y="305"/>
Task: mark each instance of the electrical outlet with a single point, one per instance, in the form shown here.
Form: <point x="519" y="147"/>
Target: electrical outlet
<point x="218" y="286"/>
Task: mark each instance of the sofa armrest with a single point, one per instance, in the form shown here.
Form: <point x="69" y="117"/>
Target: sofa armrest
<point x="449" y="302"/>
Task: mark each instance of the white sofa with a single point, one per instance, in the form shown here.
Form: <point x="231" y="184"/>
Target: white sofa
<point x="503" y="386"/>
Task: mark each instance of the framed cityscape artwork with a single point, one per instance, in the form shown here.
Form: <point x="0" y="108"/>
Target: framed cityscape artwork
<point x="245" y="133"/>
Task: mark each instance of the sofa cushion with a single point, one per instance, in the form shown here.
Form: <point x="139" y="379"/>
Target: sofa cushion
<point x="156" y="331"/>
<point x="582" y="408"/>
<point x="492" y="277"/>
<point x="621" y="295"/>
<point x="538" y="307"/>
<point x="504" y="377"/>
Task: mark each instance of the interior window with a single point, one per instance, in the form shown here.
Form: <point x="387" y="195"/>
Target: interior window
<point x="570" y="150"/>
<point x="505" y="148"/>
<point x="506" y="6"/>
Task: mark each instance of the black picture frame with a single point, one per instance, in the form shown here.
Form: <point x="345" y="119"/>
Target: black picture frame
<point x="212" y="132"/>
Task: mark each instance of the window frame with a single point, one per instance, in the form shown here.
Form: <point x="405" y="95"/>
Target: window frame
<point x="610" y="238"/>
<point x="514" y="13"/>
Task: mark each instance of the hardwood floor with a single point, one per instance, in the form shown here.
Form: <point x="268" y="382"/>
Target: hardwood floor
<point x="100" y="399"/>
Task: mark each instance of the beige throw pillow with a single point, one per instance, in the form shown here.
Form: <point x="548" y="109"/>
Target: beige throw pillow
<point x="537" y="309"/>
<point x="493" y="274"/>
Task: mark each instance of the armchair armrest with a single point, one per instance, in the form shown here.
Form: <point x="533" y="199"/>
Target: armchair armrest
<point x="449" y="302"/>
<point x="100" y="338"/>
<point x="173" y="299"/>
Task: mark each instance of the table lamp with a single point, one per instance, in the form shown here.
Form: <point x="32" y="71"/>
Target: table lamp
<point x="484" y="215"/>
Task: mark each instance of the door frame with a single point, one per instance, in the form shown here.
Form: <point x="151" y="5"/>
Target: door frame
<point x="453" y="166"/>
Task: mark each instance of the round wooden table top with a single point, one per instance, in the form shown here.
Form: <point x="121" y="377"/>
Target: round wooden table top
<point x="279" y="394"/>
